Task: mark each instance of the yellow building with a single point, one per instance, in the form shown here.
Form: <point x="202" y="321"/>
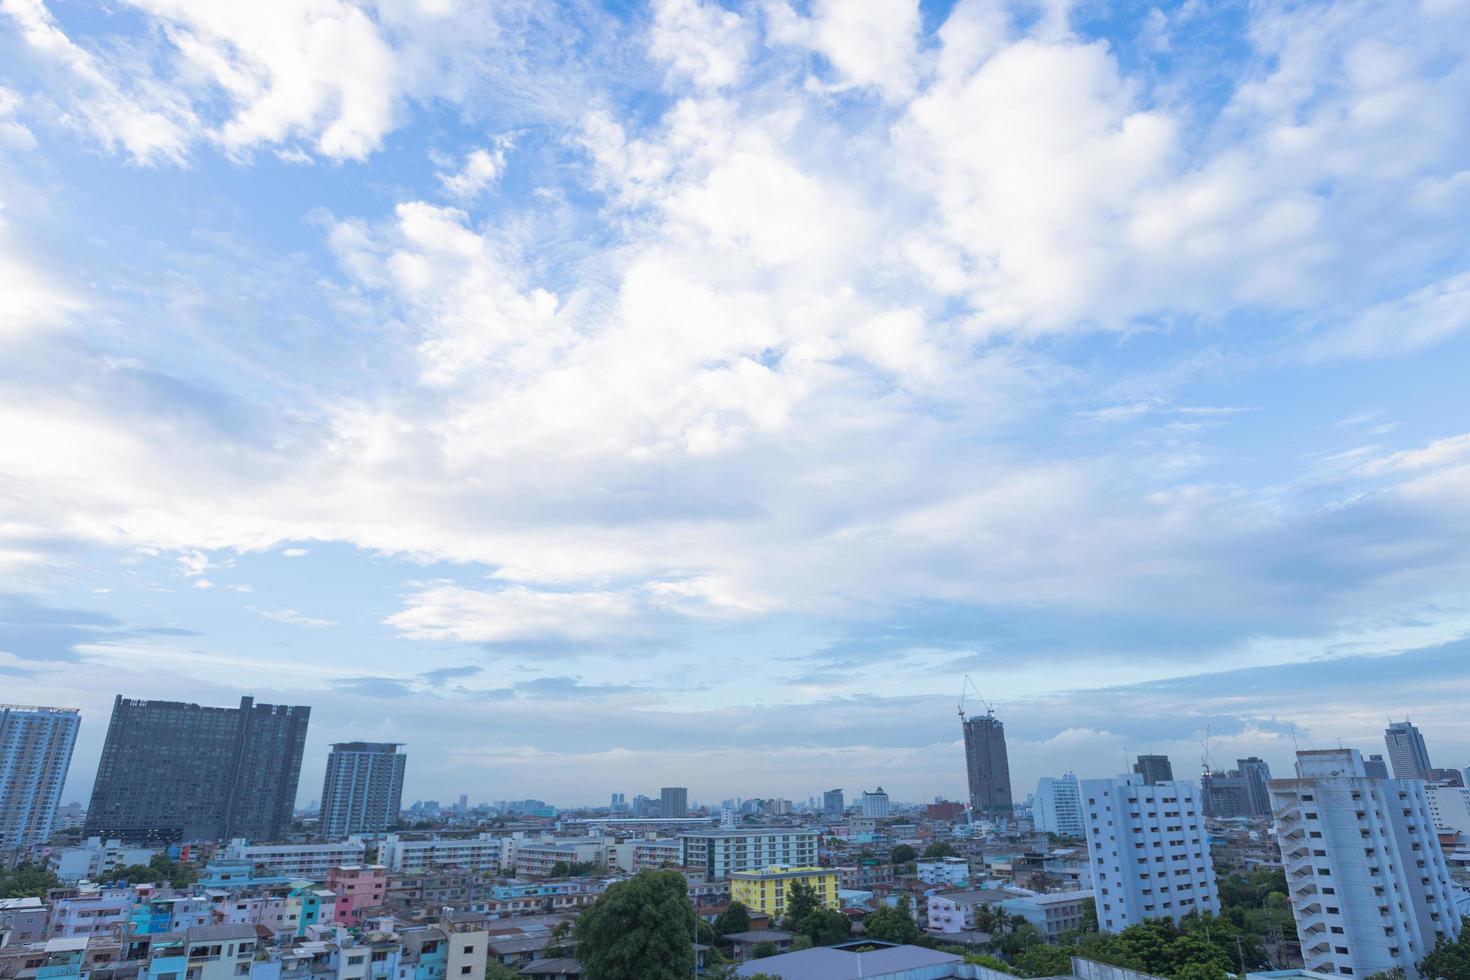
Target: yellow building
<point x="765" y="890"/>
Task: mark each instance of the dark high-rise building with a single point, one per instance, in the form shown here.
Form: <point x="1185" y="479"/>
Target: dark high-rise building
<point x="1406" y="751"/>
<point x="988" y="768"/>
<point x="833" y="804"/>
<point x="675" y="802"/>
<point x="1225" y="794"/>
<point x="1257" y="774"/>
<point x="1375" y="767"/>
<point x="363" y="791"/>
<point x="172" y="771"/>
<point x="1154" y="769"/>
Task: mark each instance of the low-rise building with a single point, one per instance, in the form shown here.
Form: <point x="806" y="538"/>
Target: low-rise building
<point x="1053" y="913"/>
<point x="309" y="861"/>
<point x="357" y="887"/>
<point x="95" y="859"/>
<point x="767" y="890"/>
<point x="951" y="872"/>
<point x="407" y="855"/>
<point x="719" y="853"/>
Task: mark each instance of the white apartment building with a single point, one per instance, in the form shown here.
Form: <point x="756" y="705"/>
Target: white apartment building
<point x="308" y="861"/>
<point x="639" y="853"/>
<point x="408" y="856"/>
<point x="719" y="852"/>
<point x="1370" y="889"/>
<point x="536" y="859"/>
<point x="953" y="872"/>
<point x="95" y="859"/>
<point x="1150" y="857"/>
<point x="1449" y="806"/>
<point x="1053" y="913"/>
<point x="875" y="804"/>
<point x="1058" y="806"/>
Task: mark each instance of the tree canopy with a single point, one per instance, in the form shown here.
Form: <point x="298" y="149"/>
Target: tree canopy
<point x="735" y="918"/>
<point x="902" y="854"/>
<point x="27" y="880"/>
<point x="892" y="923"/>
<point x="641" y="928"/>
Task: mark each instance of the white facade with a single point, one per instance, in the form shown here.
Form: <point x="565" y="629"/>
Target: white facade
<point x="35" y="754"/>
<point x="1370" y="889"/>
<point x="309" y="861"/>
<point x="95" y="859"/>
<point x="1449" y="806"/>
<point x="1052" y="913"/>
<point x="406" y="856"/>
<point x="1058" y="806"/>
<point x="1150" y="858"/>
<point x="719" y="852"/>
<point x="875" y="804"/>
<point x="951" y="871"/>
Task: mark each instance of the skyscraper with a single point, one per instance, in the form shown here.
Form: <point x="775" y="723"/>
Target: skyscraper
<point x="363" y="791"/>
<point x="675" y="801"/>
<point x="1225" y="794"/>
<point x="1149" y="851"/>
<point x="172" y="771"/>
<point x="1058" y="806"/>
<point x="1375" y="767"/>
<point x="1370" y="888"/>
<point x="988" y="768"/>
<point x="1154" y="769"/>
<point x="876" y="804"/>
<point x="35" y="754"/>
<point x="1406" y="751"/>
<point x="833" y="804"/>
<point x="1257" y="774"/>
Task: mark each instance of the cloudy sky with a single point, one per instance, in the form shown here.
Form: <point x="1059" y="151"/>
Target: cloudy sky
<point x="597" y="397"/>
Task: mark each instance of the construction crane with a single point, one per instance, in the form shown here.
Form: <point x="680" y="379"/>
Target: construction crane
<point x="965" y="689"/>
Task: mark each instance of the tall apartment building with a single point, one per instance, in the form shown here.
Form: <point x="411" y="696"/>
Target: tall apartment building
<point x="172" y="771"/>
<point x="720" y="852"/>
<point x="1407" y="753"/>
<point x="876" y="804"/>
<point x="1225" y="794"/>
<point x="1154" y="769"/>
<point x="833" y="805"/>
<point x="988" y="767"/>
<point x="1370" y="889"/>
<point x="35" y="754"/>
<point x="1058" y="806"/>
<point x="675" y="802"/>
<point x="363" y="791"/>
<point x="1150" y="856"/>
<point x="1256" y="774"/>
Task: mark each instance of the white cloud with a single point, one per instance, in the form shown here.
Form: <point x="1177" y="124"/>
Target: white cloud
<point x="481" y="168"/>
<point x="871" y="43"/>
<point x="294" y="618"/>
<point x="699" y="41"/>
<point x="1424" y="317"/>
<point x="451" y="612"/>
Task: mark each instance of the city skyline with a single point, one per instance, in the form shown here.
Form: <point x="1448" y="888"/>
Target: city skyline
<point x="601" y="397"/>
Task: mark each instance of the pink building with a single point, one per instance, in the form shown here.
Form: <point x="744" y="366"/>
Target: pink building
<point x="359" y="887"/>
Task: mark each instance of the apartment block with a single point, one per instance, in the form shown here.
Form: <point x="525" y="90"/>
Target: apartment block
<point x="363" y="789"/>
<point x="1370" y="889"/>
<point x="1150" y="857"/>
<point x="767" y="890"/>
<point x="719" y="853"/>
<point x="35" y="755"/>
<point x="312" y="862"/>
<point x="1058" y="806"/>
<point x="408" y="855"/>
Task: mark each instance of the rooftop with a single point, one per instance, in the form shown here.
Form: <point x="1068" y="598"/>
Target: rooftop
<point x="845" y="962"/>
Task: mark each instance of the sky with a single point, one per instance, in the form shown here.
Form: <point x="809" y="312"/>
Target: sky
<point x="597" y="397"/>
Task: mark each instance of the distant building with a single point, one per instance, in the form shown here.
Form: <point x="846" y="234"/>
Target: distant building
<point x="357" y="887"/>
<point x="674" y="801"/>
<point x="1447" y="777"/>
<point x="988" y="768"/>
<point x="721" y="852"/>
<point x="1058" y="806"/>
<point x="1154" y="769"/>
<point x="35" y="754"/>
<point x="1053" y="913"/>
<point x="1149" y="853"/>
<point x="363" y="790"/>
<point x="1449" y="806"/>
<point x="95" y="859"/>
<point x="875" y="804"/>
<point x="172" y="771"/>
<point x="1256" y="774"/>
<point x="952" y="872"/>
<point x="408" y="855"/>
<point x="946" y="810"/>
<point x="832" y="804"/>
<point x="1407" y="754"/>
<point x="767" y="890"/>
<point x="1375" y="767"/>
<point x="1370" y="888"/>
<point x="1225" y="794"/>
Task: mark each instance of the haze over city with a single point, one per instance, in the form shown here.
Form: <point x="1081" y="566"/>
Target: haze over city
<point x="597" y="398"/>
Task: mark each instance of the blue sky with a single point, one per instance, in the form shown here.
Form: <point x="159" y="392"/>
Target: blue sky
<point x="603" y="397"/>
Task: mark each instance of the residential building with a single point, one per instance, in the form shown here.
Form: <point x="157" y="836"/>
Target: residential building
<point x="833" y="806"/>
<point x="1407" y="754"/>
<point x="311" y="862"/>
<point x="640" y="853"/>
<point x="35" y="754"/>
<point x="1052" y="913"/>
<point x="1225" y="794"/>
<point x="674" y="802"/>
<point x="1150" y="856"/>
<point x="95" y="859"/>
<point x="22" y="920"/>
<point x="987" y="767"/>
<point x="537" y="859"/>
<point x="719" y="853"/>
<point x="954" y="911"/>
<point x="1376" y="767"/>
<point x="92" y="911"/>
<point x="1154" y="769"/>
<point x="1257" y="774"/>
<point x="363" y="790"/>
<point x="875" y="804"/>
<point x="765" y="890"/>
<point x="406" y="855"/>
<point x="1370" y="889"/>
<point x="172" y="771"/>
<point x="1058" y="806"/>
<point x="358" y="887"/>
<point x="1449" y="806"/>
<point x="951" y="872"/>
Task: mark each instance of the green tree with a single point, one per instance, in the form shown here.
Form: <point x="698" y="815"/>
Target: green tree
<point x="735" y="918"/>
<point x="558" y="945"/>
<point x="27" y="880"/>
<point x="705" y="933"/>
<point x="892" y="924"/>
<point x="902" y="854"/>
<point x="800" y="942"/>
<point x="498" y="971"/>
<point x="825" y="927"/>
<point x="991" y="963"/>
<point x="763" y="949"/>
<point x="642" y="928"/>
<point x="940" y="849"/>
<point x="1020" y="938"/>
<point x="1397" y="973"/>
<point x="1450" y="960"/>
<point x="801" y="901"/>
<point x="1043" y="961"/>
